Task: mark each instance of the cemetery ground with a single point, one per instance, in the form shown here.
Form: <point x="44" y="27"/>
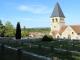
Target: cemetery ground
<point x="65" y="49"/>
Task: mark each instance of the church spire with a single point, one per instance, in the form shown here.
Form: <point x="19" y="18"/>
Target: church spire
<point x="57" y="12"/>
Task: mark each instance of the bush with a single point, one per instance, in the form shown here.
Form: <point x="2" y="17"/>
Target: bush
<point x="47" y="38"/>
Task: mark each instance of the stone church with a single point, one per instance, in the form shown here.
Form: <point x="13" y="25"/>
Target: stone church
<point x="58" y="27"/>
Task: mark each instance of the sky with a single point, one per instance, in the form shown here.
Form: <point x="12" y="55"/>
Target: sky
<point x="36" y="13"/>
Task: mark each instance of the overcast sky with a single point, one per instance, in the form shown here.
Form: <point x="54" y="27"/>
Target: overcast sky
<point x="36" y="13"/>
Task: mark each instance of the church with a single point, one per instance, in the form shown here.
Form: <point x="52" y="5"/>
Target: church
<point x="58" y="27"/>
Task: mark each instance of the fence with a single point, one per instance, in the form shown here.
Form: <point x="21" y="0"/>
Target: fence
<point x="9" y="53"/>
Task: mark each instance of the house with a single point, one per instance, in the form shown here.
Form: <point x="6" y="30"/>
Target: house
<point x="58" y="27"/>
<point x="36" y="34"/>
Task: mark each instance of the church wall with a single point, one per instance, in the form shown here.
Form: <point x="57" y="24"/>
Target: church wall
<point x="69" y="33"/>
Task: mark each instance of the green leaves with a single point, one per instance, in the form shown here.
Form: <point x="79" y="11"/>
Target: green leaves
<point x="47" y="38"/>
<point x="9" y="29"/>
<point x="1" y="29"/>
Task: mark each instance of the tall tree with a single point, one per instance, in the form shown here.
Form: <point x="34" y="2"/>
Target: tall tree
<point x="18" y="31"/>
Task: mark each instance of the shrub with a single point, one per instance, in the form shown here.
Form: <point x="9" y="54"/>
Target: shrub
<point x="47" y="38"/>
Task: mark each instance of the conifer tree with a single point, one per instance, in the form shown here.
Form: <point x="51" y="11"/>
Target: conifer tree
<point x="18" y="31"/>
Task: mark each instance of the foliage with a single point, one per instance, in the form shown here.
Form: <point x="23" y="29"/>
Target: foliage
<point x="47" y="38"/>
<point x="18" y="31"/>
<point x="42" y="30"/>
<point x="9" y="29"/>
<point x="24" y="32"/>
<point x="1" y="29"/>
<point x="1" y="23"/>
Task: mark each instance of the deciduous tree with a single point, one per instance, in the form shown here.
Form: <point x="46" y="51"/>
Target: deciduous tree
<point x="9" y="29"/>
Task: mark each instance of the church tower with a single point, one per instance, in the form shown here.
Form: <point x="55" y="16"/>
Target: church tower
<point x="57" y="18"/>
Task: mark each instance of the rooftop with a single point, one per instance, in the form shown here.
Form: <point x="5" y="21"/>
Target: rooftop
<point x="57" y="12"/>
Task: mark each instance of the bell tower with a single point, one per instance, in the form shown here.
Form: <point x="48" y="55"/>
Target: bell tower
<point x="57" y="18"/>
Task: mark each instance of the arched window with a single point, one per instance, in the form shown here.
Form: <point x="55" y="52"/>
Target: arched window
<point x="56" y="20"/>
<point x="52" y="20"/>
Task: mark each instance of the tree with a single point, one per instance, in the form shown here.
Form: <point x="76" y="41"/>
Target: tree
<point x="18" y="31"/>
<point x="24" y="32"/>
<point x="1" y="29"/>
<point x="1" y="23"/>
<point x="9" y="29"/>
<point x="8" y="24"/>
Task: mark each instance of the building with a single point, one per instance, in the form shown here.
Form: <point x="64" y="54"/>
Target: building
<point x="36" y="34"/>
<point x="58" y="27"/>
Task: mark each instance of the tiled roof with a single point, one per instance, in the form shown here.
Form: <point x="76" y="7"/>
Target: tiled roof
<point x="62" y="29"/>
<point x="57" y="12"/>
<point x="76" y="28"/>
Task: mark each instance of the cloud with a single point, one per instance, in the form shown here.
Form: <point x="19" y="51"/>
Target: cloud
<point x="37" y="9"/>
<point x="23" y="8"/>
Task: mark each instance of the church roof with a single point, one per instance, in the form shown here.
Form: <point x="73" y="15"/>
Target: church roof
<point x="57" y="12"/>
<point x="60" y="32"/>
<point x="62" y="29"/>
<point x="76" y="28"/>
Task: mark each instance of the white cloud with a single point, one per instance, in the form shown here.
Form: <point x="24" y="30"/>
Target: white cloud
<point x="37" y="9"/>
<point x="23" y="8"/>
